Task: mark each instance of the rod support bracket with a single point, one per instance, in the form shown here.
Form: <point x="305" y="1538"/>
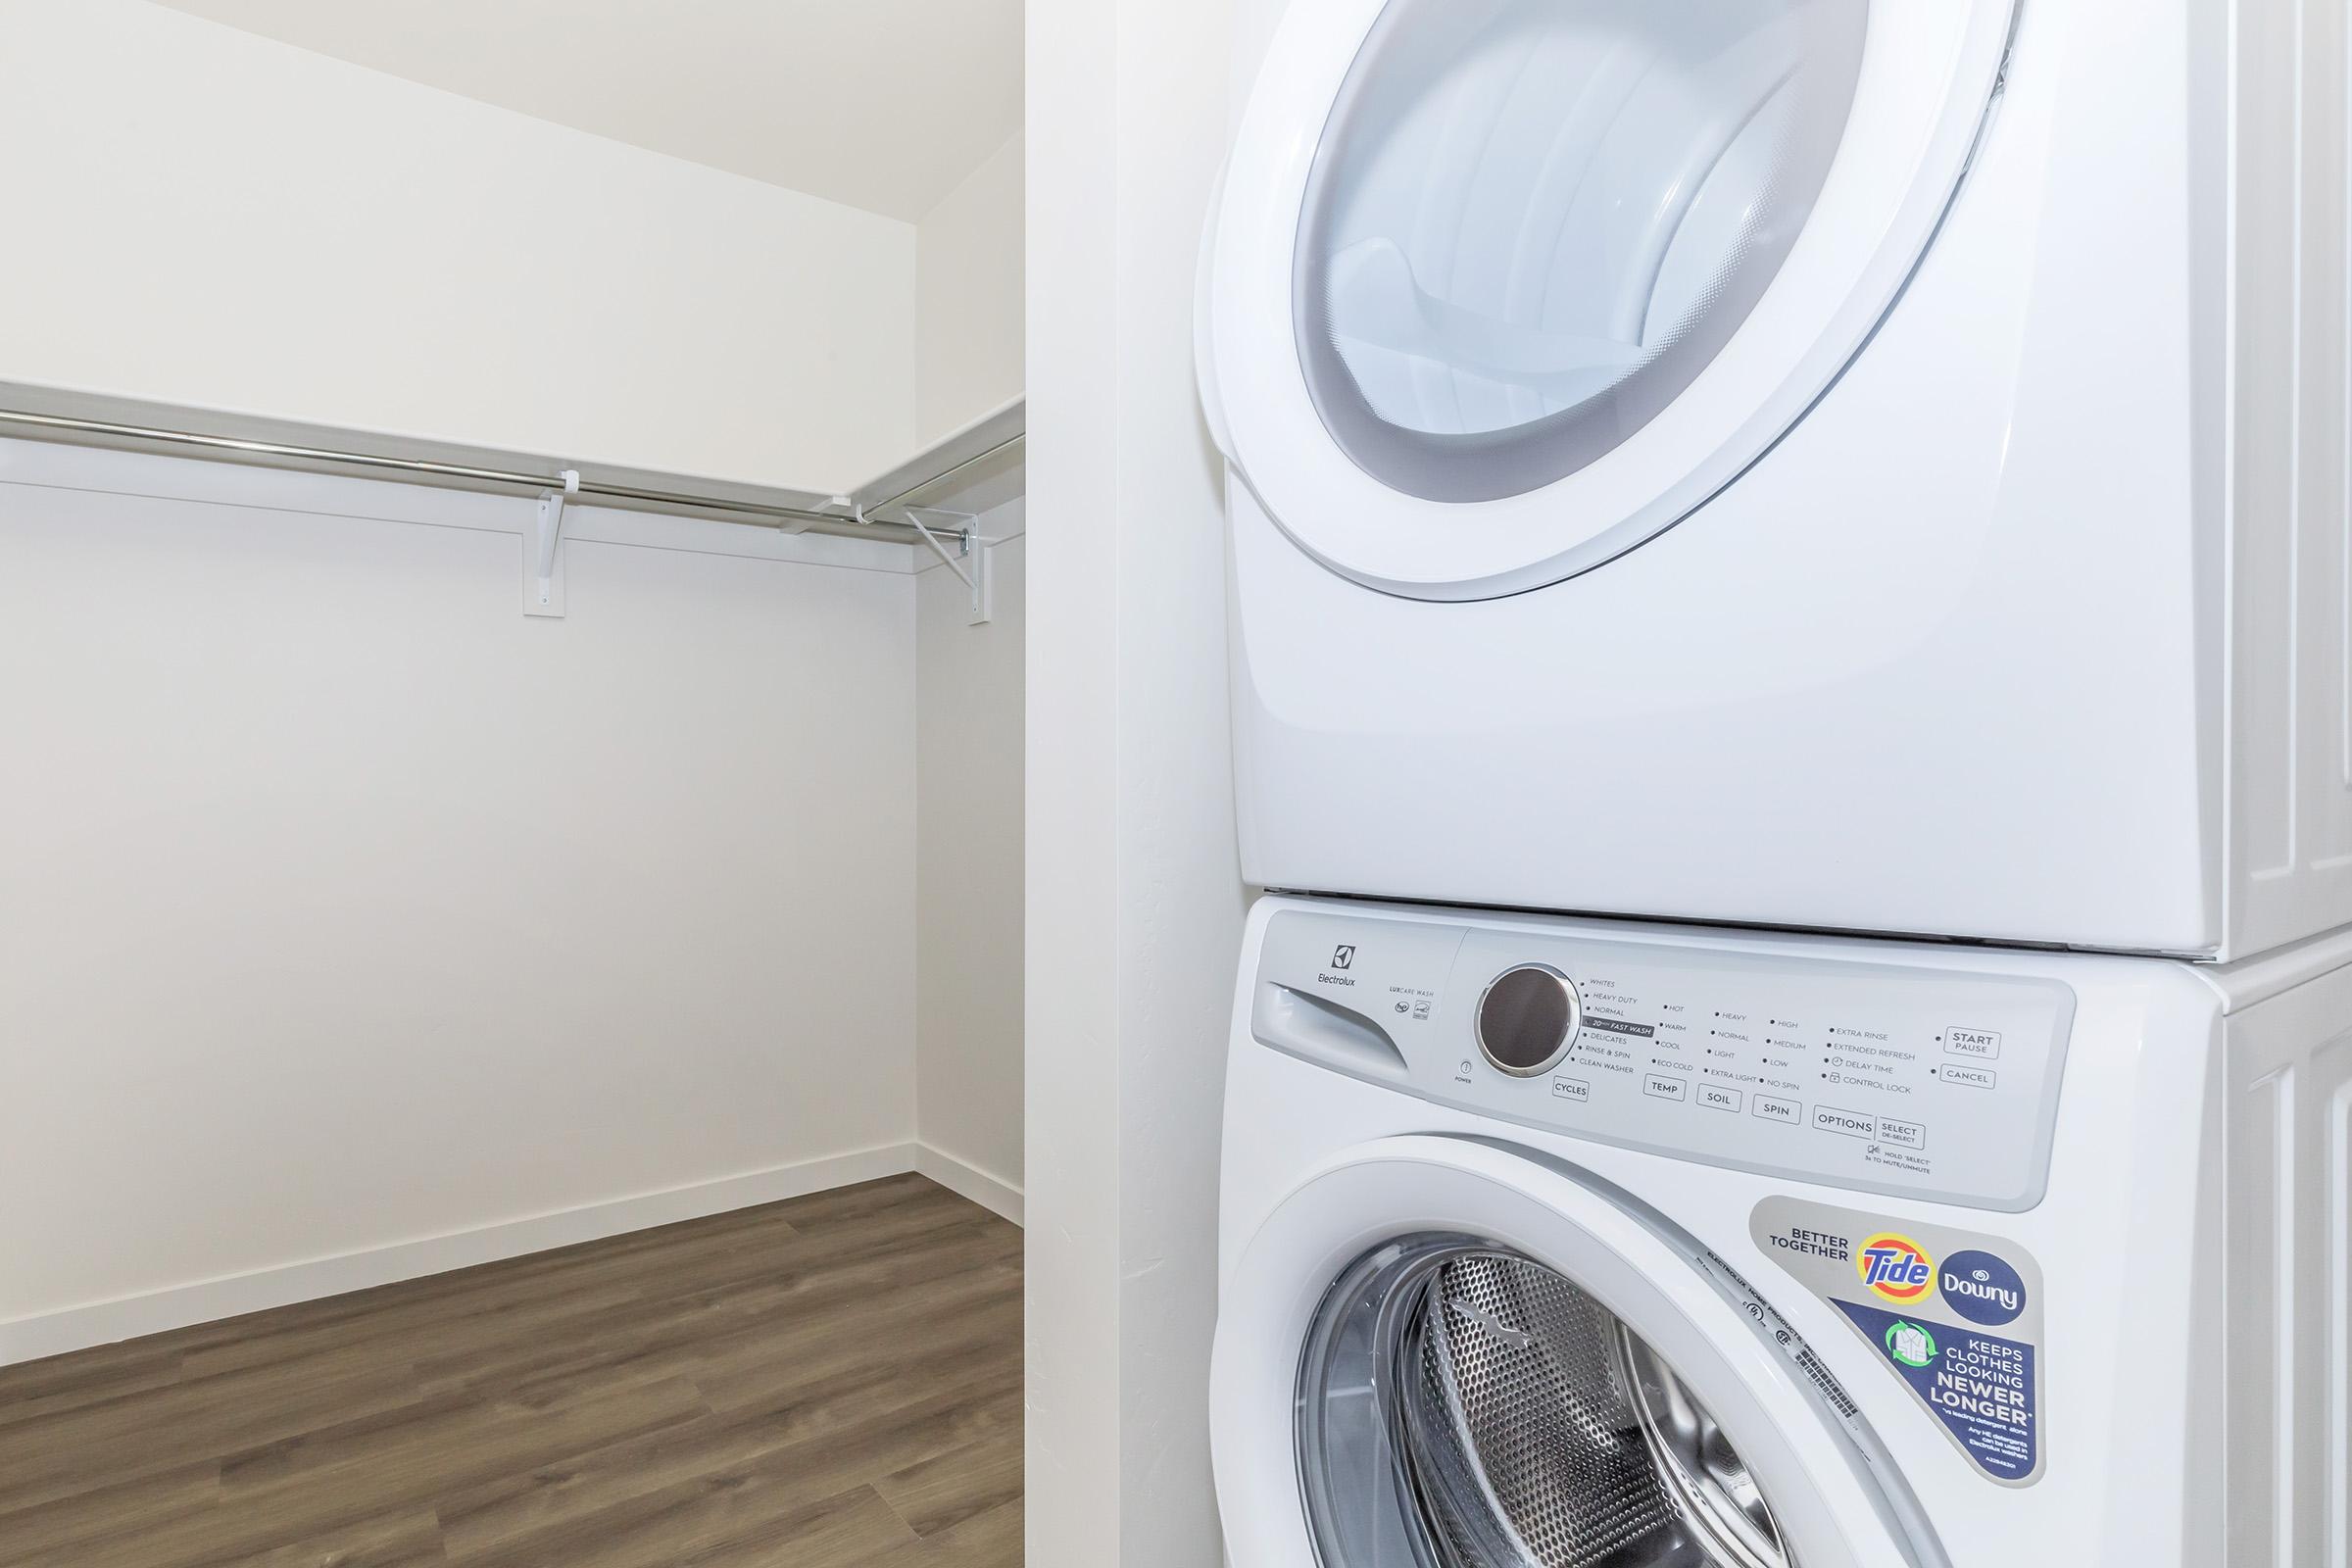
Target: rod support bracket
<point x="971" y="563"/>
<point x="543" y="553"/>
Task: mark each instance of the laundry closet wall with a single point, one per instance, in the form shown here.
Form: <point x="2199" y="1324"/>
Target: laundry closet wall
<point x="357" y="926"/>
<point x="351" y="924"/>
<point x="1134" y="897"/>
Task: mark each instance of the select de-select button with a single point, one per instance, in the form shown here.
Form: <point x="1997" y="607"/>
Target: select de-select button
<point x="1906" y="1134"/>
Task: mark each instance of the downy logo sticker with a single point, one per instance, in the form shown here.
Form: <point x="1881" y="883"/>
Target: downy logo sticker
<point x="1896" y="1267"/>
<point x="1982" y="1288"/>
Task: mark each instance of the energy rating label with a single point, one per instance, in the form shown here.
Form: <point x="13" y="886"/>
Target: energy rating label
<point x="1954" y="1316"/>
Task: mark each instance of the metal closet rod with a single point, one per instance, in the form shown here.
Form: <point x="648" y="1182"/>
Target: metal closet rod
<point x="791" y="520"/>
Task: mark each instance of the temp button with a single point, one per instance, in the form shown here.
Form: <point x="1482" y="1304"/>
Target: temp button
<point x="1659" y="1086"/>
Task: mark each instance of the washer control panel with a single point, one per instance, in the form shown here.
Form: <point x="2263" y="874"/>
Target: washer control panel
<point x="1878" y="1076"/>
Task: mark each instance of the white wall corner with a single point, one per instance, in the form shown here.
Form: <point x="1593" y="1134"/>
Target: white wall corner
<point x="960" y="1176"/>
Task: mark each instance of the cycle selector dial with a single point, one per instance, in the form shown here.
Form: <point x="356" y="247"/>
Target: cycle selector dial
<point x="1528" y="1018"/>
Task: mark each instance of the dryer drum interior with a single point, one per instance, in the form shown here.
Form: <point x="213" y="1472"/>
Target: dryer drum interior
<point x="1461" y="1405"/>
<point x="1531" y="226"/>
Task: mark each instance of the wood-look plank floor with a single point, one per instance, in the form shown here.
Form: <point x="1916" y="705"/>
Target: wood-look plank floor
<point x="832" y="1382"/>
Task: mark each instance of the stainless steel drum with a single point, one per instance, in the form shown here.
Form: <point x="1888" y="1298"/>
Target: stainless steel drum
<point x="1462" y="1406"/>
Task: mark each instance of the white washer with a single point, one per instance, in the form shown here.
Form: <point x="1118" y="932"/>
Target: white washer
<point x="1558" y="1243"/>
<point x="1865" y="465"/>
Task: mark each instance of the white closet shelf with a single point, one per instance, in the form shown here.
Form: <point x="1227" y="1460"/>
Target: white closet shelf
<point x="970" y="469"/>
<point x="979" y="453"/>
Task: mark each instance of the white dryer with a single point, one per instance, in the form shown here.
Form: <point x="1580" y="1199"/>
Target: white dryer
<point x="1558" y="1244"/>
<point x="1865" y="465"/>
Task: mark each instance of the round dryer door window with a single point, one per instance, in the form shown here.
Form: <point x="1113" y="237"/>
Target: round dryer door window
<point x="1498" y="289"/>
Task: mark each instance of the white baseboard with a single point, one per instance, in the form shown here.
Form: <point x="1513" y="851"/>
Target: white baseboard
<point x="77" y="1328"/>
<point x="961" y="1177"/>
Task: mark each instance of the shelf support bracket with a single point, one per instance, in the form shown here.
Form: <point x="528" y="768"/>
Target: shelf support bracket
<point x="972" y="563"/>
<point x="543" y="559"/>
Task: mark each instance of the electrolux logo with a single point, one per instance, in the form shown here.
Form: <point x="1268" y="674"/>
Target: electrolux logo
<point x="1896" y="1267"/>
<point x="1982" y="1288"/>
<point x="1342" y="959"/>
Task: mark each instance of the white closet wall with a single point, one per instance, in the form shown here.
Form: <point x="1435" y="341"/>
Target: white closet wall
<point x="201" y="217"/>
<point x="968" y="866"/>
<point x="968" y="287"/>
<point x="357" y="926"/>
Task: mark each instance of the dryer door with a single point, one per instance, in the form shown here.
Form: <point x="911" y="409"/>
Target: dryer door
<point x="1446" y="1353"/>
<point x="1498" y="289"/>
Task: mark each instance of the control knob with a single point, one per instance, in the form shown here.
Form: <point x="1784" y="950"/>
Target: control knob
<point x="1527" y="1019"/>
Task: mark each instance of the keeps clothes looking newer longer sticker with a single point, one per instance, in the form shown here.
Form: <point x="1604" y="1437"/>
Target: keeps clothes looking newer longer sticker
<point x="1955" y="1315"/>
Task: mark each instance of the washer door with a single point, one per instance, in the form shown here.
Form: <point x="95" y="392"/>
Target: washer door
<point x="1444" y="1354"/>
<point x="1498" y="289"/>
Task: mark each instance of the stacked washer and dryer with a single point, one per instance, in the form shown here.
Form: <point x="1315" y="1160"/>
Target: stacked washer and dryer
<point x="1790" y="568"/>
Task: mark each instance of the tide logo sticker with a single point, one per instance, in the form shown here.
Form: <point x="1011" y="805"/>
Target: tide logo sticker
<point x="1896" y="1267"/>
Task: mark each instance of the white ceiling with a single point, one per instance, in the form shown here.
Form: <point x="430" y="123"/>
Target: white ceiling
<point x="879" y="104"/>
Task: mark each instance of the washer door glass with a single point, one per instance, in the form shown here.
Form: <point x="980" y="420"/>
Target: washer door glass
<point x="1464" y="1407"/>
<point x="1532" y="223"/>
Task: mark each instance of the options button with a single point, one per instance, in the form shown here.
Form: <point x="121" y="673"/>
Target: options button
<point x="1849" y="1123"/>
